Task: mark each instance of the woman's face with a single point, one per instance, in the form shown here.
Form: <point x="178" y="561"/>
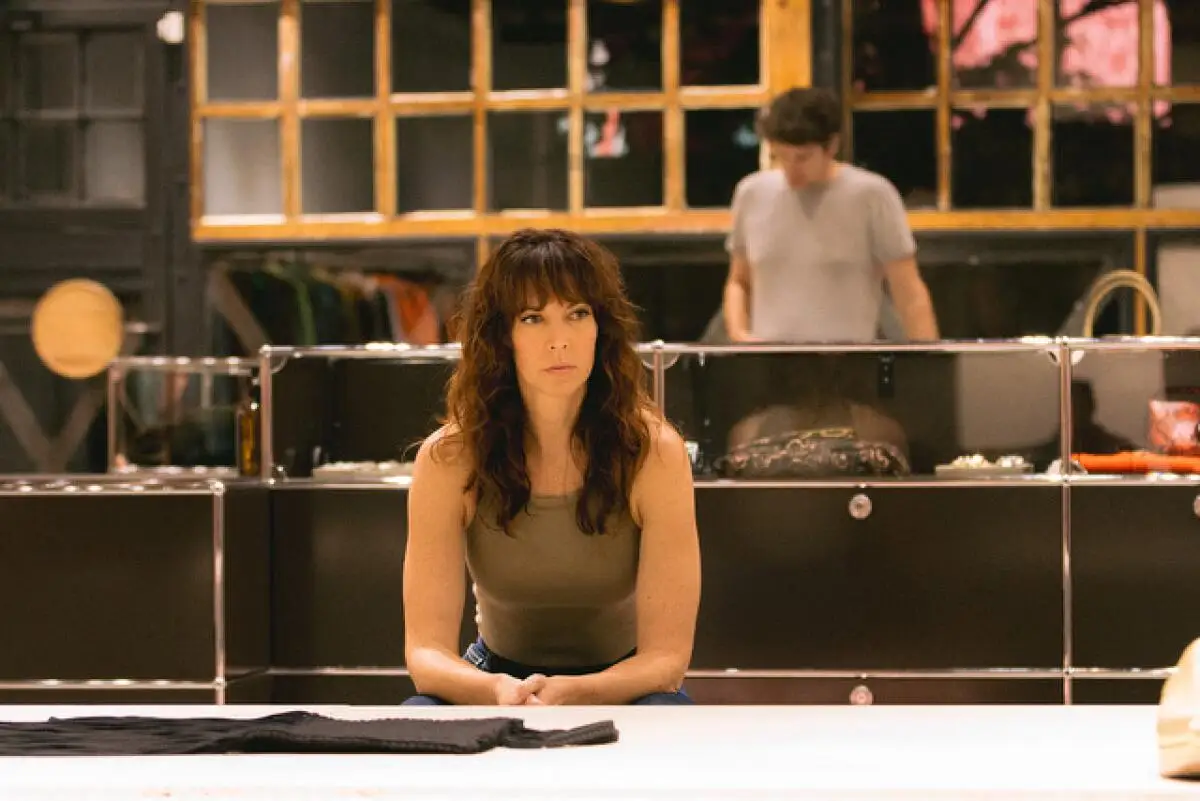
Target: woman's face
<point x="554" y="348"/>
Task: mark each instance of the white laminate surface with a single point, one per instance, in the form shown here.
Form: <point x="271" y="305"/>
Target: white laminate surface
<point x="683" y="753"/>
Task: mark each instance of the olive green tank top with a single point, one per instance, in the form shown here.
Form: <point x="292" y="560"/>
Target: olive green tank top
<point x="550" y="595"/>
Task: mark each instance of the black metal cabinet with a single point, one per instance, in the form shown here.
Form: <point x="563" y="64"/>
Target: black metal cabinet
<point x="1135" y="556"/>
<point x="338" y="576"/>
<point x="1114" y="690"/>
<point x="120" y="590"/>
<point x="867" y="690"/>
<point x="900" y="577"/>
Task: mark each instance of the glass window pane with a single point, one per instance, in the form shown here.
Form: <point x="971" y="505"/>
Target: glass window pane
<point x="337" y="166"/>
<point x="1084" y="138"/>
<point x="337" y="48"/>
<point x="527" y="160"/>
<point x="113" y="74"/>
<point x="624" y="45"/>
<point x="1099" y="45"/>
<point x="722" y="148"/>
<point x="242" y="167"/>
<point x="995" y="43"/>
<point x="1176" y="43"/>
<point x="114" y="162"/>
<point x="623" y="158"/>
<point x="1176" y="165"/>
<point x="892" y="45"/>
<point x="529" y="44"/>
<point x="243" y="51"/>
<point x="49" y="71"/>
<point x="719" y="42"/>
<point x="986" y="286"/>
<point x="1176" y="256"/>
<point x="901" y="146"/>
<point x="48" y="160"/>
<point x="435" y="163"/>
<point x="993" y="158"/>
<point x="431" y="45"/>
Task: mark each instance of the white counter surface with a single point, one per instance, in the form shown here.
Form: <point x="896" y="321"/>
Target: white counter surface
<point x="677" y="753"/>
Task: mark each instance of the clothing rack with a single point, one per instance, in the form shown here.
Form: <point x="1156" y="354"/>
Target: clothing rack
<point x="313" y="297"/>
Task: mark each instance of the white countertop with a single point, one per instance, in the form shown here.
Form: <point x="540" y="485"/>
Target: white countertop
<point x="677" y="753"/>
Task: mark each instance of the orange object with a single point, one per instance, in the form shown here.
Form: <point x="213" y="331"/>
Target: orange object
<point x="1137" y="462"/>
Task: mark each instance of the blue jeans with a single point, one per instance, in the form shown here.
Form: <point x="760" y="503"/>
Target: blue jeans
<point x="479" y="655"/>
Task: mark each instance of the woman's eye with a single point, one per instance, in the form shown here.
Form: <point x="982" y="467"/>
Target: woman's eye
<point x="530" y="318"/>
<point x="580" y="314"/>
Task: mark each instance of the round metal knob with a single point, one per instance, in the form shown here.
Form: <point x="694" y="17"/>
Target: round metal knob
<point x="860" y="507"/>
<point x="1196" y="506"/>
<point x="861" y="696"/>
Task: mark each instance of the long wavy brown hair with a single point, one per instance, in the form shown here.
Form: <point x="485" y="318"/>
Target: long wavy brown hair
<point x="484" y="403"/>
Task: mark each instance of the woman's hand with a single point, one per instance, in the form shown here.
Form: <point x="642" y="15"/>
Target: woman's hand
<point x="515" y="692"/>
<point x="561" y="691"/>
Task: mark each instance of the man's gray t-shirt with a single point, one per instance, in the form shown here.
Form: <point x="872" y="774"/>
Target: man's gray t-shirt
<point x="817" y="254"/>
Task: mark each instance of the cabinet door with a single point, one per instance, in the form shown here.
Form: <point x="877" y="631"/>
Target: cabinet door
<point x="100" y="586"/>
<point x="338" y="577"/>
<point x="880" y="578"/>
<point x="836" y="690"/>
<point x="1115" y="691"/>
<point x="1135" y="556"/>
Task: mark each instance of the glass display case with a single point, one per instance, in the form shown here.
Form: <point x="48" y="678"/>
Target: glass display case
<point x="173" y="416"/>
<point x="350" y="413"/>
<point x="133" y="589"/>
<point x="1134" y="522"/>
<point x="891" y="412"/>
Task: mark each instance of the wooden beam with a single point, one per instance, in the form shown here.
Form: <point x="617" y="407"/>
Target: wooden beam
<point x="674" y="132"/>
<point x="1143" y="131"/>
<point x="481" y="85"/>
<point x="338" y="108"/>
<point x="577" y="54"/>
<point x="289" y="95"/>
<point x="927" y="98"/>
<point x="788" y="25"/>
<point x="245" y="111"/>
<point x="651" y="221"/>
<point x="945" y="69"/>
<point x="1043" y="166"/>
<point x="198" y="62"/>
<point x="1140" y="267"/>
<point x="385" y="121"/>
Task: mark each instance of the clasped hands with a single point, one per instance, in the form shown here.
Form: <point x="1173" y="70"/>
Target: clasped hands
<point x="538" y="690"/>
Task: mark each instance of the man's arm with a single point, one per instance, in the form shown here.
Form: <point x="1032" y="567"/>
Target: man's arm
<point x="911" y="298"/>
<point x="738" y="287"/>
<point x="739" y="284"/>
<point x="893" y="248"/>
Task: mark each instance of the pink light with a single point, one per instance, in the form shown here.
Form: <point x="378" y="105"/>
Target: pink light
<point x="1103" y="48"/>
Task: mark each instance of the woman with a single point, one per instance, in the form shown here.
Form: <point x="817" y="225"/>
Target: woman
<point x="563" y="491"/>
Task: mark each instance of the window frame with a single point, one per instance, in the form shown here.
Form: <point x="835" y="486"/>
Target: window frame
<point x="783" y="31"/>
<point x="1140" y="218"/>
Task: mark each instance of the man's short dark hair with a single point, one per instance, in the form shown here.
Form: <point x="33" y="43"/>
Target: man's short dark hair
<point x="802" y="117"/>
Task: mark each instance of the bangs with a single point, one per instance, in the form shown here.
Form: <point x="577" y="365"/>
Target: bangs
<point x="541" y="274"/>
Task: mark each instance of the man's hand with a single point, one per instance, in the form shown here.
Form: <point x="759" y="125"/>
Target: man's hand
<point x="515" y="692"/>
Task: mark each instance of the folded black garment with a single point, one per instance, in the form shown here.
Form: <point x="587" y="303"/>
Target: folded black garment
<point x="285" y="733"/>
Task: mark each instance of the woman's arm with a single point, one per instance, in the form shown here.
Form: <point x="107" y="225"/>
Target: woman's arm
<point x="435" y="581"/>
<point x="668" y="584"/>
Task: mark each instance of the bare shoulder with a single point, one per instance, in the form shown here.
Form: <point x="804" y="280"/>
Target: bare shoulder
<point x="441" y="473"/>
<point x="666" y="455"/>
<point x="443" y="456"/>
<point x="664" y="487"/>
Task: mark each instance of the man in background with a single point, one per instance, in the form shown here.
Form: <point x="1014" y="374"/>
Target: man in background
<point x="814" y="238"/>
